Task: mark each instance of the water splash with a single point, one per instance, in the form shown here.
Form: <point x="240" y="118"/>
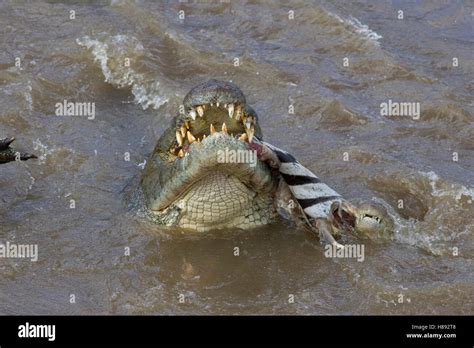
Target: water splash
<point x="42" y="151"/>
<point x="439" y="231"/>
<point x="112" y="53"/>
<point x="364" y="30"/>
<point x="359" y="28"/>
<point x="454" y="190"/>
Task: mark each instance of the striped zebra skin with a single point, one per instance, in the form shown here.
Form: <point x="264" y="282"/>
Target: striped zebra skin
<point x="314" y="196"/>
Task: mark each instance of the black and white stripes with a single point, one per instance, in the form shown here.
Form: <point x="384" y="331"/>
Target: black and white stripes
<point x="314" y="196"/>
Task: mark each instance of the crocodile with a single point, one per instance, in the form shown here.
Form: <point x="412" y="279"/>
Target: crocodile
<point x="7" y="154"/>
<point x="211" y="169"/>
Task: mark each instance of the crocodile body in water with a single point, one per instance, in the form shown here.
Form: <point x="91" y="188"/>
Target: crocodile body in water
<point x="211" y="169"/>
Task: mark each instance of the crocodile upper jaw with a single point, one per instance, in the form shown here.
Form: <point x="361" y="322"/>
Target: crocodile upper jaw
<point x="203" y="170"/>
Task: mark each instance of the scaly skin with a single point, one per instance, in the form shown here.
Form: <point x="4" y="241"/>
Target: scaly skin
<point x="184" y="182"/>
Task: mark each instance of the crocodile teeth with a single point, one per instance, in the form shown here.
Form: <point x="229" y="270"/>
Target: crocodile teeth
<point x="179" y="138"/>
<point x="183" y="131"/>
<point x="250" y="132"/>
<point x="217" y="104"/>
<point x="204" y="137"/>
<point x="192" y="113"/>
<point x="191" y="138"/>
<point x="230" y="110"/>
<point x="224" y="128"/>
<point x="248" y="122"/>
<point x="212" y="104"/>
<point x="200" y="110"/>
<point x="212" y="129"/>
<point x="243" y="137"/>
<point x="238" y="112"/>
<point x="181" y="153"/>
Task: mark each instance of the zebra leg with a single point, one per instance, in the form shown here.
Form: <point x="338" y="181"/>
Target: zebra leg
<point x="324" y="228"/>
<point x="288" y="207"/>
<point x="311" y="197"/>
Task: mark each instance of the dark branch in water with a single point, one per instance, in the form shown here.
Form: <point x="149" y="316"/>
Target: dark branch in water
<point x="7" y="154"/>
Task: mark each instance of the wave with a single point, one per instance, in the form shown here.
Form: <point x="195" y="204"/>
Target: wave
<point x="361" y="29"/>
<point x="116" y="55"/>
<point x="455" y="191"/>
<point x="436" y="214"/>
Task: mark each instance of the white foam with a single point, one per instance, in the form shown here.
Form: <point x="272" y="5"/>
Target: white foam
<point x="364" y="30"/>
<point x="43" y="151"/>
<point x="359" y="28"/>
<point x="454" y="190"/>
<point x="99" y="50"/>
<point x="28" y="96"/>
<point x="119" y="47"/>
<point x="422" y="234"/>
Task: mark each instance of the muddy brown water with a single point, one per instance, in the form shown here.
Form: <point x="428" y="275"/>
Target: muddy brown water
<point x="325" y="113"/>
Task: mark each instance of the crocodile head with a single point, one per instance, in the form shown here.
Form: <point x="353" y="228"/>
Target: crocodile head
<point x="203" y="173"/>
<point x="369" y="219"/>
<point x="373" y="220"/>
